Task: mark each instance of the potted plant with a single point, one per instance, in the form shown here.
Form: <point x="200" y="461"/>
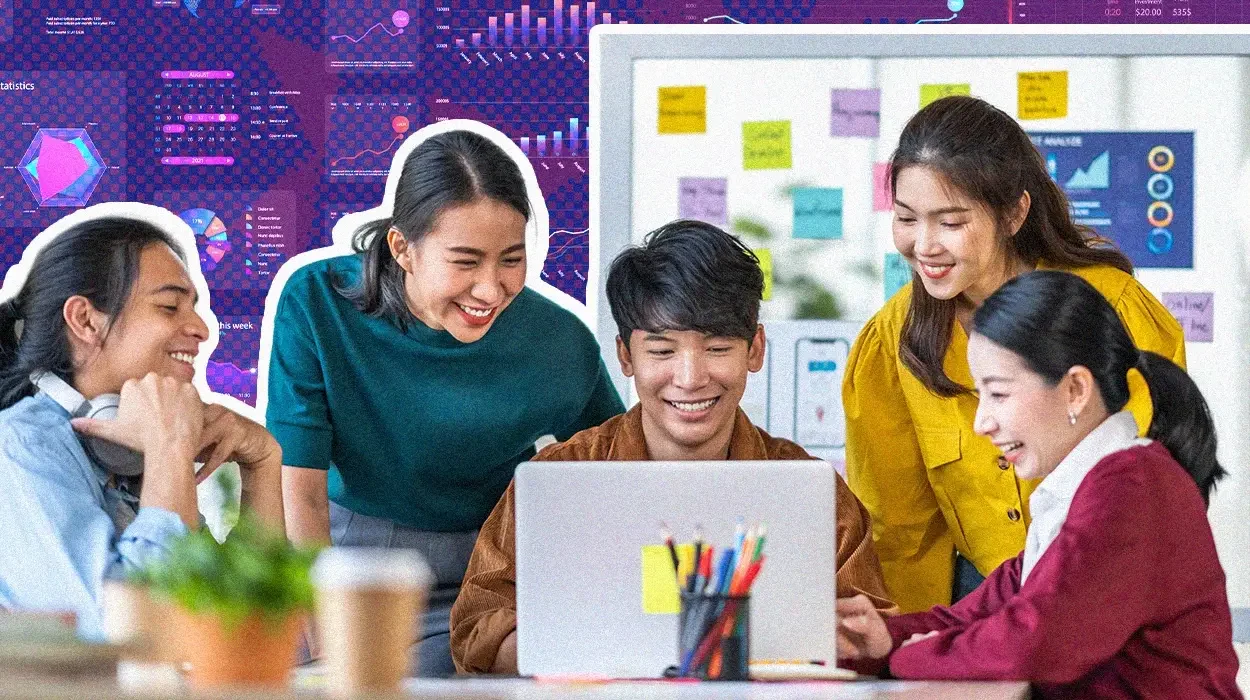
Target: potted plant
<point x="237" y="606"/>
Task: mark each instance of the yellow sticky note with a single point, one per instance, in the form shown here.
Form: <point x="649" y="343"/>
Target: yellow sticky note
<point x="1042" y="95"/>
<point x="929" y="93"/>
<point x="766" y="266"/>
<point x="659" y="585"/>
<point x="683" y="110"/>
<point x="765" y="145"/>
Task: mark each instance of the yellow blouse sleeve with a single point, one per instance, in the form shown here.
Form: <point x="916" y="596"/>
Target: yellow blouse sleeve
<point x="1152" y="327"/>
<point x="885" y="470"/>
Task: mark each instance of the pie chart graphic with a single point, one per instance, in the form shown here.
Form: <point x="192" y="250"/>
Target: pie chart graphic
<point x="211" y="236"/>
<point x="62" y="167"/>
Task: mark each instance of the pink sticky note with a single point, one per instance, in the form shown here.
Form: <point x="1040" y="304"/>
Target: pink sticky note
<point x="856" y="113"/>
<point x="881" y="200"/>
<point x="1195" y="311"/>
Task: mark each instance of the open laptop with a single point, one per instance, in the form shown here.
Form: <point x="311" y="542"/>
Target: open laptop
<point x="580" y="531"/>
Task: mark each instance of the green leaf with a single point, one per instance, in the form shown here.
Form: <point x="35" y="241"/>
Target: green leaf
<point x="256" y="570"/>
<point x="752" y="228"/>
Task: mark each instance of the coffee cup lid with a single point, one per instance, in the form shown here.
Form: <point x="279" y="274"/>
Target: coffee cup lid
<point x="371" y="567"/>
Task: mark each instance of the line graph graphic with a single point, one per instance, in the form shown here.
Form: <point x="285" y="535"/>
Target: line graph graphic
<point x="857" y="11"/>
<point x="568" y="259"/>
<point x="232" y="367"/>
<point x="362" y="132"/>
<point x="399" y="20"/>
<point x="371" y="36"/>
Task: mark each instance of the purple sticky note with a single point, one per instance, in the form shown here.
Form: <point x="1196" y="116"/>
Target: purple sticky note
<point x="881" y="200"/>
<point x="703" y="198"/>
<point x="856" y="113"/>
<point x="1195" y="311"/>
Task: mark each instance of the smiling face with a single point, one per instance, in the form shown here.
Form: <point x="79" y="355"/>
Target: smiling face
<point x="158" y="330"/>
<point x="949" y="239"/>
<point x="462" y="274"/>
<point x="1024" y="416"/>
<point x="689" y="385"/>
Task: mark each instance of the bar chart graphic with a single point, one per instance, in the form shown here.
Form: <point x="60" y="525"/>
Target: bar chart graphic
<point x="363" y="131"/>
<point x="552" y="134"/>
<point x="492" y="33"/>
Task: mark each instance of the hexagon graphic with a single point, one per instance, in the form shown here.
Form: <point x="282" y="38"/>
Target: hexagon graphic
<point x="62" y="167"/>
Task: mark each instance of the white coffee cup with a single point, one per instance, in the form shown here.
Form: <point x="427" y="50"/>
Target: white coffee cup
<point x="369" y="605"/>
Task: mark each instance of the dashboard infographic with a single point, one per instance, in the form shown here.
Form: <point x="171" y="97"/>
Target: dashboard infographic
<point x="261" y="122"/>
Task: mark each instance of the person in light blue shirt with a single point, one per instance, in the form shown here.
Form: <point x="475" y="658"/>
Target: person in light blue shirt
<point x="106" y="318"/>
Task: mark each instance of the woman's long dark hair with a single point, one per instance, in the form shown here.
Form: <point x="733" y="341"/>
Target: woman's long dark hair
<point x="1056" y="321"/>
<point x="445" y="170"/>
<point x="96" y="259"/>
<point x="984" y="154"/>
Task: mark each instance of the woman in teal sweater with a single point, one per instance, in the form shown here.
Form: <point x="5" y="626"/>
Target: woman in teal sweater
<point x="408" y="380"/>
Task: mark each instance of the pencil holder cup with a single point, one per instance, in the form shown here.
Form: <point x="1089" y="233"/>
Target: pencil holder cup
<point x="714" y="637"/>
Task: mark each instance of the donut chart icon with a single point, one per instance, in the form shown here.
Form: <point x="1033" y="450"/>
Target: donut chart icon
<point x="1159" y="214"/>
<point x="1160" y="186"/>
<point x="211" y="236"/>
<point x="1161" y="159"/>
<point x="62" y="167"/>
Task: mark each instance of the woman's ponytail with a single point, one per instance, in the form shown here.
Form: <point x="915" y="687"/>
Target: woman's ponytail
<point x="1056" y="321"/>
<point x="1182" y="421"/>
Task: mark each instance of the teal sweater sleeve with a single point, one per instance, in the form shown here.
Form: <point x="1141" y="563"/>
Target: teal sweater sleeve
<point x="297" y="412"/>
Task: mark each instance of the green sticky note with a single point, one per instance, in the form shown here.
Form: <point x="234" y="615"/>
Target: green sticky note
<point x="929" y="93"/>
<point x="897" y="275"/>
<point x="818" y="212"/>
<point x="659" y="583"/>
<point x="683" y="110"/>
<point x="766" y="145"/>
<point x="766" y="266"/>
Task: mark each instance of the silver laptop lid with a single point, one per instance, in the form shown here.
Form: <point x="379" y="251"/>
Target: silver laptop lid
<point x="580" y="532"/>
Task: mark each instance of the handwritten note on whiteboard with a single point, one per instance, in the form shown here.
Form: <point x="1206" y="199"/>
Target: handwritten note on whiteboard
<point x="856" y="113"/>
<point x="703" y="198"/>
<point x="930" y="93"/>
<point x="683" y="110"/>
<point x="1042" y="95"/>
<point x="1195" y="311"/>
<point x="766" y="145"/>
<point x="818" y="212"/>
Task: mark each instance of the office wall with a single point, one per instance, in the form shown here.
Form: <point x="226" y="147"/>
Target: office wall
<point x="1205" y="95"/>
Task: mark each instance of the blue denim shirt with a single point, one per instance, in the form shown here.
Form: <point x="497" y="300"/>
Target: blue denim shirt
<point x="58" y="536"/>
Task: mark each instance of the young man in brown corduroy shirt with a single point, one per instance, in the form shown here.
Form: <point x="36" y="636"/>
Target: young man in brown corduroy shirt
<point x="687" y="306"/>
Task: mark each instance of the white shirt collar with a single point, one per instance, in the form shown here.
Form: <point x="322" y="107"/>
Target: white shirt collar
<point x="1050" y="501"/>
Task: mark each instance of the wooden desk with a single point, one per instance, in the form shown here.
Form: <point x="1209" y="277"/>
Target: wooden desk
<point x="523" y="689"/>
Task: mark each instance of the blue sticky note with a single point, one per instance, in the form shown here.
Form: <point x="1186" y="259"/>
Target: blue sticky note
<point x="818" y="212"/>
<point x="897" y="273"/>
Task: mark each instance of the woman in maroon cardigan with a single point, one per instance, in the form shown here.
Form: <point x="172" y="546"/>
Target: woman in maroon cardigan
<point x="1118" y="592"/>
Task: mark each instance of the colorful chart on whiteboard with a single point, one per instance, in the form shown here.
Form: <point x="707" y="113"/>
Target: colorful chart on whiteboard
<point x="1133" y="187"/>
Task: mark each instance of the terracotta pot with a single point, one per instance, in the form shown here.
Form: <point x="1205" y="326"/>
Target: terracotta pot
<point x="253" y="652"/>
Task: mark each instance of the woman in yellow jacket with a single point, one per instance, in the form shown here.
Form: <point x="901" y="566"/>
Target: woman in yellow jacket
<point x="973" y="207"/>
